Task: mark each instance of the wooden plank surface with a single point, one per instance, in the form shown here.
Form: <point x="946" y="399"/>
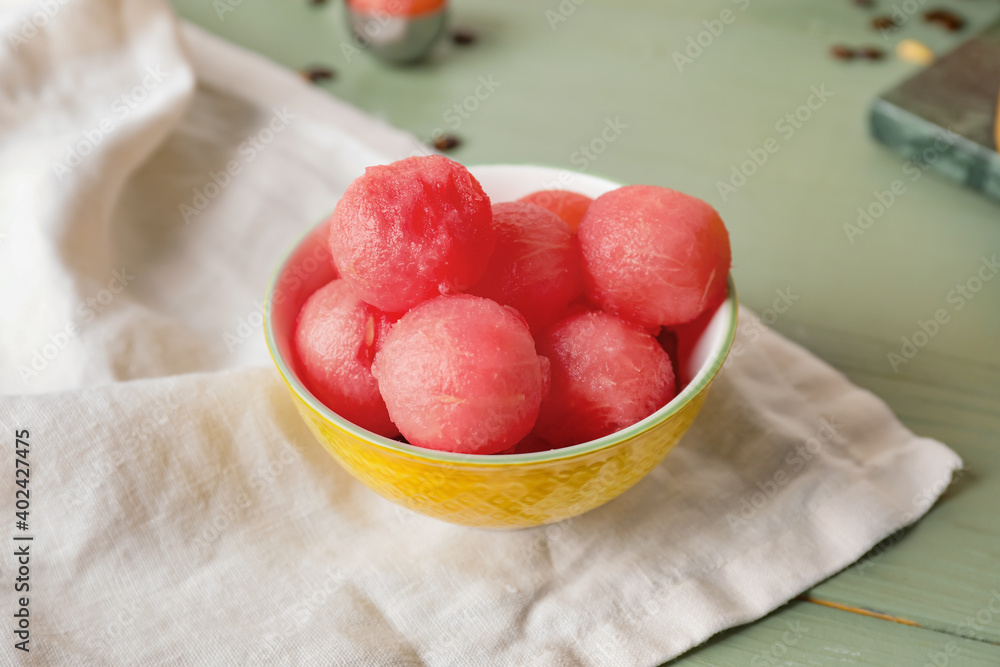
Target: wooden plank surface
<point x="808" y="634"/>
<point x="944" y="572"/>
<point x="688" y="127"/>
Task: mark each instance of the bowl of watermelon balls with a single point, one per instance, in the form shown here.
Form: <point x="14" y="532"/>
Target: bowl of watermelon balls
<point x="502" y="346"/>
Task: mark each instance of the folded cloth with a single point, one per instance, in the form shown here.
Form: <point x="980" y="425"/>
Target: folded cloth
<point x="179" y="509"/>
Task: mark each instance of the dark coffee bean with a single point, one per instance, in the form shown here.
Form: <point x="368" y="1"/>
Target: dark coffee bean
<point x="463" y="37"/>
<point x="841" y="52"/>
<point x="947" y="19"/>
<point x="883" y="23"/>
<point x="871" y="53"/>
<point x="446" y="142"/>
<point x="867" y="4"/>
<point x="954" y="24"/>
<point x="317" y="73"/>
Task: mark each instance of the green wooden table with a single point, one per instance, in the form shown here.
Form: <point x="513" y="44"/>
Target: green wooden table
<point x="596" y="85"/>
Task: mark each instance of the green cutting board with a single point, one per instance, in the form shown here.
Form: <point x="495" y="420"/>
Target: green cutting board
<point x="944" y="118"/>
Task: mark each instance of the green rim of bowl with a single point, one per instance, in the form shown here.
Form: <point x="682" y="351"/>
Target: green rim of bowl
<point x="680" y="401"/>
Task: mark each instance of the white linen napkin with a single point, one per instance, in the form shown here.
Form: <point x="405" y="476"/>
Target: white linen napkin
<point x="150" y="177"/>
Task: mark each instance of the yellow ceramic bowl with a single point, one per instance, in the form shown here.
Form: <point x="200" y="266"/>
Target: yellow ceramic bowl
<point x="510" y="491"/>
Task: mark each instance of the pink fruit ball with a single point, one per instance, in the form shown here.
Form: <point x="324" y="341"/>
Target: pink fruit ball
<point x="653" y="255"/>
<point x="568" y="205"/>
<point x="607" y="374"/>
<point x="411" y="230"/>
<point x="459" y="373"/>
<point x="536" y="266"/>
<point x="336" y="337"/>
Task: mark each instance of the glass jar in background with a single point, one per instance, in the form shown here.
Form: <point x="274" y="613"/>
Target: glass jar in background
<point x="400" y="31"/>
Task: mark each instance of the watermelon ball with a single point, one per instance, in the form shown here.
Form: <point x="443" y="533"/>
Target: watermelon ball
<point x="653" y="255"/>
<point x="568" y="205"/>
<point x="536" y="266"/>
<point x="336" y="337"/>
<point x="459" y="373"/>
<point x="607" y="374"/>
<point x="411" y="230"/>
